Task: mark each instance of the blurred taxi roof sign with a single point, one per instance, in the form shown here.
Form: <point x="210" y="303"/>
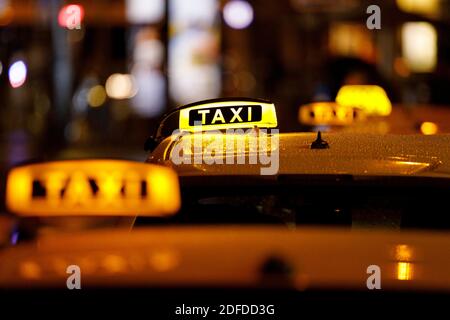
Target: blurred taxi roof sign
<point x="92" y="188"/>
<point x="329" y="113"/>
<point x="233" y="113"/>
<point x="370" y="98"/>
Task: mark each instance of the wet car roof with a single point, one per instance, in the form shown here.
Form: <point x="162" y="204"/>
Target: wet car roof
<point x="353" y="154"/>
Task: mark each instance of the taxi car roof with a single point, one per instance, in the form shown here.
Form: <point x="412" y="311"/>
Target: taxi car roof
<point x="173" y="256"/>
<point x="352" y="154"/>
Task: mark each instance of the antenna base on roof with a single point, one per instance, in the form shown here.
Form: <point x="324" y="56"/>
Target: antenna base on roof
<point x="319" y="143"/>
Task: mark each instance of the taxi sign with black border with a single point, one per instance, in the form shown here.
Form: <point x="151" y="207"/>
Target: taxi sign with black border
<point x="227" y="114"/>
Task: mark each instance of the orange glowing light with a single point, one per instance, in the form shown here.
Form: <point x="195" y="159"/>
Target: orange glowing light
<point x="30" y="270"/>
<point x="404" y="255"/>
<point x="370" y="98"/>
<point x="429" y="128"/>
<point x="401" y="68"/>
<point x="93" y="187"/>
<point x="164" y="260"/>
<point x="426" y="7"/>
<point x="114" y="263"/>
<point x="6" y="14"/>
<point x="403" y="252"/>
<point x="404" y="271"/>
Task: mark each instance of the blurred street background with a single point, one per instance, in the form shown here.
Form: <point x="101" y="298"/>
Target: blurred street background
<point x="92" y="78"/>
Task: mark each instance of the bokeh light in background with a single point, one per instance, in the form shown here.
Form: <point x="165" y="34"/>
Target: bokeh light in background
<point x="429" y="128"/>
<point x="148" y="52"/>
<point x="149" y="100"/>
<point x="6" y="12"/>
<point x="187" y="14"/>
<point x="238" y="14"/>
<point x="120" y="86"/>
<point x="96" y="96"/>
<point x="145" y="11"/>
<point x="133" y="60"/>
<point x="80" y="97"/>
<point x="194" y="71"/>
<point x="71" y="16"/>
<point x="419" y="45"/>
<point x="1" y="68"/>
<point x="17" y="74"/>
<point x="147" y="58"/>
<point x="428" y="7"/>
<point x="351" y="40"/>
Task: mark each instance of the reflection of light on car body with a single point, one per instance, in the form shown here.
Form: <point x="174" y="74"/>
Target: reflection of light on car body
<point x="30" y="270"/>
<point x="404" y="265"/>
<point x="404" y="271"/>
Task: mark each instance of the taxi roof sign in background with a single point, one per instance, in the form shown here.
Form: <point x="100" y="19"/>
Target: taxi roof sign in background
<point x="371" y="99"/>
<point x="92" y="187"/>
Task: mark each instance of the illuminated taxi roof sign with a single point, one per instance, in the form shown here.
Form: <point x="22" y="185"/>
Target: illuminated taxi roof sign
<point x="329" y="113"/>
<point x="227" y="114"/>
<point x="92" y="187"/>
<point x="370" y="98"/>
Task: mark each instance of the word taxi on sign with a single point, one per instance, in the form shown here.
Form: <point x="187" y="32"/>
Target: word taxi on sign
<point x="225" y="114"/>
<point x="92" y="187"/>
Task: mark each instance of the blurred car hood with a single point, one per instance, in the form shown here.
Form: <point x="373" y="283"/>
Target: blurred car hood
<point x="306" y="258"/>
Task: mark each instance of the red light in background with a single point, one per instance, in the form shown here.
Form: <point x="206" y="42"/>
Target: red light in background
<point x="70" y="16"/>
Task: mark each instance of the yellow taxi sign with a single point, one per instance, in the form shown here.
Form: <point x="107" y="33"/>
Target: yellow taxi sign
<point x="370" y="98"/>
<point x="227" y="114"/>
<point x="329" y="113"/>
<point x="92" y="187"/>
